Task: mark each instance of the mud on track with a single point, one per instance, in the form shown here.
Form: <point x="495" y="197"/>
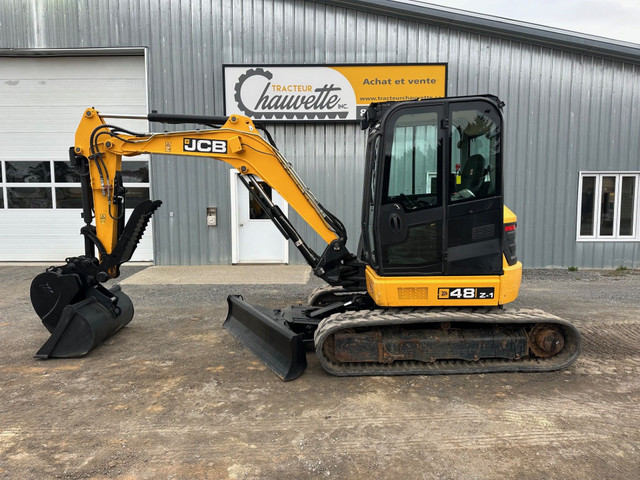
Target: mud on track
<point x="173" y="395"/>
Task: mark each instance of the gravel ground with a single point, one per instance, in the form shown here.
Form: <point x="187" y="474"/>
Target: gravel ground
<point x="174" y="396"/>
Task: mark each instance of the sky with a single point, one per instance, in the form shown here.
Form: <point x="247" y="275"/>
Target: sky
<point x="616" y="19"/>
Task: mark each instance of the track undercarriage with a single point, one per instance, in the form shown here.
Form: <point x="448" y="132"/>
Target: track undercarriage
<point x="351" y="341"/>
<point x="437" y="341"/>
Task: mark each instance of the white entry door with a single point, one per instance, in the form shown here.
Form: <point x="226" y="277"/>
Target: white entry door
<point x="254" y="236"/>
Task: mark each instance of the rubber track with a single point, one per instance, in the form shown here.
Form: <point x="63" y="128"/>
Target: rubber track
<point x="488" y="316"/>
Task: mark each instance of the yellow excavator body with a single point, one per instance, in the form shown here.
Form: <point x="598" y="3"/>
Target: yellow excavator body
<point x="455" y="291"/>
<point x="425" y="292"/>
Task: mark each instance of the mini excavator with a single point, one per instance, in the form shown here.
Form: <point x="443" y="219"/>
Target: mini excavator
<point x="423" y="294"/>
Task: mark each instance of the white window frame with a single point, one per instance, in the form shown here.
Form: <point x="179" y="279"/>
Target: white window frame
<point x="52" y="185"/>
<point x="616" y="237"/>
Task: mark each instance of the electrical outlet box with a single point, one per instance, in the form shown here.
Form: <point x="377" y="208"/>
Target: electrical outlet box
<point x="212" y="216"/>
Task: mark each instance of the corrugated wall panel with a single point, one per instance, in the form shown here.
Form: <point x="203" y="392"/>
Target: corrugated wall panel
<point x="565" y="112"/>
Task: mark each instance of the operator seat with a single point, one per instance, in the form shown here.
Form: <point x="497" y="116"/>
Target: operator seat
<point x="473" y="173"/>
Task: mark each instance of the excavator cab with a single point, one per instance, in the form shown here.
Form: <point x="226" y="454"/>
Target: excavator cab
<point x="433" y="191"/>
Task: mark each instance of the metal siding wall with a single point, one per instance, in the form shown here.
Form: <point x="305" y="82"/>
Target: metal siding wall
<point x="565" y="112"/>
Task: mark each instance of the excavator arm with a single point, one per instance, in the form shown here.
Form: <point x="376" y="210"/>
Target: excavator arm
<point x="236" y="142"/>
<point x="71" y="300"/>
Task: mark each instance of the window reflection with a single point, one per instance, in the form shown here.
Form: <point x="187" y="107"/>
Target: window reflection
<point x="413" y="165"/>
<point x="68" y="197"/>
<point x="607" y="204"/>
<point x="627" y="204"/>
<point x="135" y="171"/>
<point x="588" y="201"/>
<point x="28" y="172"/>
<point x="64" y="172"/>
<point x="29" y="197"/>
<point x="475" y="145"/>
<point x="135" y="195"/>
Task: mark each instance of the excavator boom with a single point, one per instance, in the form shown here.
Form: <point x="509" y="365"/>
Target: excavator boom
<point x="236" y="142"/>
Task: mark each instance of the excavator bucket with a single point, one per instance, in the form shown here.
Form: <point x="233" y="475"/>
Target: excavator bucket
<point x="71" y="302"/>
<point x="268" y="337"/>
<point x="95" y="314"/>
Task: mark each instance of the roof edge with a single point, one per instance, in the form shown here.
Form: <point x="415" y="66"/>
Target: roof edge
<point x="72" y="52"/>
<point x="483" y="24"/>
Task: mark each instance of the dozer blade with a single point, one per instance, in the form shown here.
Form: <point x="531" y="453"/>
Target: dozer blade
<point x="88" y="323"/>
<point x="268" y="337"/>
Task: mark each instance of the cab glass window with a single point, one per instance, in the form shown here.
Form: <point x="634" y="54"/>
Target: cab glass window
<point x="475" y="151"/>
<point x="412" y="177"/>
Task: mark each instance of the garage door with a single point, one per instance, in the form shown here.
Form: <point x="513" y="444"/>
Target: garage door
<point x="41" y="103"/>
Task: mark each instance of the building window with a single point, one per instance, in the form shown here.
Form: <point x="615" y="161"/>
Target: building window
<point x="56" y="184"/>
<point x="608" y="206"/>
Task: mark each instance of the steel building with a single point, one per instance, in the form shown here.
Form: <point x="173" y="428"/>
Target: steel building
<point x="572" y="163"/>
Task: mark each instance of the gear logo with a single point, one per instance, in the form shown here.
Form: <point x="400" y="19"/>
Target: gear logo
<point x="259" y="95"/>
<point x="241" y="81"/>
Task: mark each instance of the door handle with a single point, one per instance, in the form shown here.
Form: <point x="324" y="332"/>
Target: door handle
<point x="395" y="222"/>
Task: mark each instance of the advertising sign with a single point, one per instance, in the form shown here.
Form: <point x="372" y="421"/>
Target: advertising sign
<point x="328" y="92"/>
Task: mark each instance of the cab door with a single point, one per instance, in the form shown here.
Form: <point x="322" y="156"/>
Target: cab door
<point x="474" y="209"/>
<point x="439" y="203"/>
<point x="410" y="217"/>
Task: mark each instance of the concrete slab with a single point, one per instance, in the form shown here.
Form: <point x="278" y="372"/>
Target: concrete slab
<point x="221" y="275"/>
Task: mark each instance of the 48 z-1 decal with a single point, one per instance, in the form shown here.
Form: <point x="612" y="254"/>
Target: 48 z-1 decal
<point x="467" y="293"/>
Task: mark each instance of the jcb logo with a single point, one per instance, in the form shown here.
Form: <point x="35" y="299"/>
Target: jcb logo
<point x="203" y="145"/>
